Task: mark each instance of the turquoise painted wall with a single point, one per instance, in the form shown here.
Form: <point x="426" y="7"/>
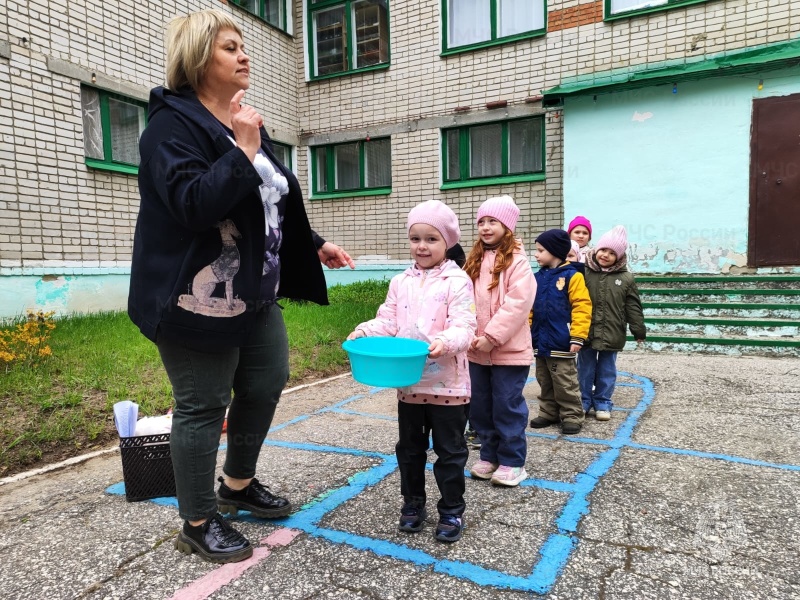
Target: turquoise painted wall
<point x="672" y="167"/>
<point x="91" y="291"/>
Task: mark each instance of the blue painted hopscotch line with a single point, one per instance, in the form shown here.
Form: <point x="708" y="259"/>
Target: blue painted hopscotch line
<point x="557" y="548"/>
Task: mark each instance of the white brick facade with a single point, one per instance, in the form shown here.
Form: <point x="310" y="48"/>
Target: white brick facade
<point x="56" y="213"/>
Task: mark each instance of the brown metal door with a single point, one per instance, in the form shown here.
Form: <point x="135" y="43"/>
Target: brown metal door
<point x="774" y="237"/>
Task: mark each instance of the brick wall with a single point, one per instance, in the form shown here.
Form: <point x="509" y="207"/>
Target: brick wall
<point x="56" y="211"/>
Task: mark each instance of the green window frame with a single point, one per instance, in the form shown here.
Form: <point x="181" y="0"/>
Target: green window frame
<point x="473" y="24"/>
<point x="357" y="168"/>
<point x="275" y="12"/>
<point x="493" y="152"/>
<point x="284" y="154"/>
<point x="622" y="9"/>
<point x="112" y="126"/>
<point x="347" y="36"/>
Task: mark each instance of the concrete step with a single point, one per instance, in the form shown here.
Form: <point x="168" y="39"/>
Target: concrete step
<point x="762" y="310"/>
<point x="776" y="282"/>
<point x="718" y="345"/>
<point x="711" y="327"/>
<point x="719" y="296"/>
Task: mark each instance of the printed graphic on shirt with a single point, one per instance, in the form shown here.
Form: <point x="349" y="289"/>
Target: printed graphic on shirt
<point x="274" y="189"/>
<point x="201" y="299"/>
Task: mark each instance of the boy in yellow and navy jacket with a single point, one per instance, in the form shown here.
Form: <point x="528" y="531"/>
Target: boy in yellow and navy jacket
<point x="562" y="313"/>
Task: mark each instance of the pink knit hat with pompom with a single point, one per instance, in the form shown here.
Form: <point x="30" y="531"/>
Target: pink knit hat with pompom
<point x="616" y="240"/>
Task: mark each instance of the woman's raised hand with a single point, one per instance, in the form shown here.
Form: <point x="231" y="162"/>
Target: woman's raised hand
<point x="246" y="122"/>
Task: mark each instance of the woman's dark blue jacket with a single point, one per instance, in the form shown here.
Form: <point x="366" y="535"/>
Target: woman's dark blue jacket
<point x="192" y="177"/>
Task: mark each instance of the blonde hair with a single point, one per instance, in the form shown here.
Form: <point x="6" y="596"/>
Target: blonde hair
<point x="190" y="46"/>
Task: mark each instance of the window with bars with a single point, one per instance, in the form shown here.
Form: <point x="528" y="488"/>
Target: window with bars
<point x="488" y="153"/>
<point x="274" y="12"/>
<point x="112" y="125"/>
<point x="352" y="167"/>
<point x="472" y="24"/>
<point x="347" y="36"/>
<point x="624" y="8"/>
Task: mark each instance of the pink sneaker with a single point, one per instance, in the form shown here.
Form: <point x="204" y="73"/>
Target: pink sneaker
<point x="483" y="469"/>
<point x="509" y="476"/>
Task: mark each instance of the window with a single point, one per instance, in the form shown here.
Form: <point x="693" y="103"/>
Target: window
<point x="472" y="24"/>
<point x="283" y="153"/>
<point x="112" y="125"/>
<point x="489" y="153"/>
<point x="362" y="167"/>
<point x="624" y="8"/>
<point x="274" y="12"/>
<point x="347" y="36"/>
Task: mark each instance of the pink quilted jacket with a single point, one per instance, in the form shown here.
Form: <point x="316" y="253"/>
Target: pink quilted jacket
<point x="503" y="311"/>
<point x="429" y="304"/>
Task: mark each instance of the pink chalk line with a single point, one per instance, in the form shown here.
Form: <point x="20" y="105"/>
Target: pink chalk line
<point x="223" y="575"/>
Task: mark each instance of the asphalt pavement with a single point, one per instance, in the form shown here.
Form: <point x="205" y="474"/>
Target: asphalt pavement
<point x="692" y="490"/>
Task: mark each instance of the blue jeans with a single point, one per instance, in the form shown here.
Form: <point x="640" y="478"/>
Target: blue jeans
<point x="597" y="373"/>
<point x="498" y="412"/>
<point x="201" y="384"/>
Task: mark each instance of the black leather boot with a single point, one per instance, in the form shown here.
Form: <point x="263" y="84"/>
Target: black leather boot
<point x="255" y="498"/>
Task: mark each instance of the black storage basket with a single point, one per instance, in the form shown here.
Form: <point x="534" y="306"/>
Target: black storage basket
<point x="147" y="467"/>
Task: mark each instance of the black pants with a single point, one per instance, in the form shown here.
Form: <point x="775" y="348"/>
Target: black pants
<point x="416" y="422"/>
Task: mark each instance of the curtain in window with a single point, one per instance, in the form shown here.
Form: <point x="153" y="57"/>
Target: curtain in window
<point x="348" y="174"/>
<point x="92" y="124"/>
<point x="321" y="178"/>
<point x="624" y="5"/>
<point x="518" y="16"/>
<point x="485" y="150"/>
<point x="127" y="124"/>
<point x="453" y="155"/>
<point x="377" y="163"/>
<point x="524" y="146"/>
<point x="468" y="22"/>
<point x="283" y="154"/>
<point x="273" y="12"/>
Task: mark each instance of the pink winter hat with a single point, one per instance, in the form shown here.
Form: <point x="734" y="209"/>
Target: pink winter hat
<point x="579" y="220"/>
<point x="501" y="208"/>
<point x="616" y="240"/>
<point x="439" y="215"/>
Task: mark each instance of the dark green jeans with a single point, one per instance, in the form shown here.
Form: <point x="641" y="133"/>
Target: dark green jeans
<point x="201" y="384"/>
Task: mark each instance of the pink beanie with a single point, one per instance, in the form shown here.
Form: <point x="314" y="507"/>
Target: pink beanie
<point x="579" y="220"/>
<point x="616" y="240"/>
<point x="501" y="208"/>
<point x="438" y="215"/>
<point x="575" y="248"/>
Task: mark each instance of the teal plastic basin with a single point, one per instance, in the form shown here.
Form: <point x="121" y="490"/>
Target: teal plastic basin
<point x="387" y="361"/>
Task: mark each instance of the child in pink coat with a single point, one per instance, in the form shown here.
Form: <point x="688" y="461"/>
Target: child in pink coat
<point x="501" y="355"/>
<point x="431" y="301"/>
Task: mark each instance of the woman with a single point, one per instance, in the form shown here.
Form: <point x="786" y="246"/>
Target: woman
<point x="221" y="234"/>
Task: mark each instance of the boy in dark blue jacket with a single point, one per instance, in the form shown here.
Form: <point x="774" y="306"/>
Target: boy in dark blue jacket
<point x="562" y="313"/>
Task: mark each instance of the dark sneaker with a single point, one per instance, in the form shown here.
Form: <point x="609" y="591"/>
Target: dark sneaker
<point x="569" y="428"/>
<point x="472" y="439"/>
<point x="449" y="528"/>
<point x="215" y="541"/>
<point x="412" y="518"/>
<point x="255" y="498"/>
<point x="540" y="422"/>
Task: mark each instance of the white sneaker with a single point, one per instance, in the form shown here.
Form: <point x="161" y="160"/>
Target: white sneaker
<point x="483" y="469"/>
<point x="603" y="415"/>
<point x="509" y="476"/>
